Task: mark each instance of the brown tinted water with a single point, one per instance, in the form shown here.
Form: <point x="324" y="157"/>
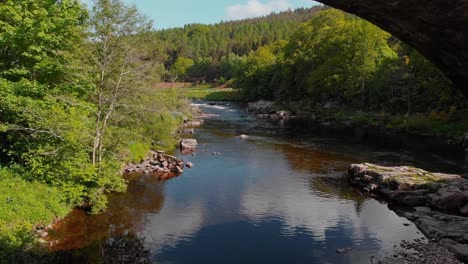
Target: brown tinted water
<point x="277" y="196"/>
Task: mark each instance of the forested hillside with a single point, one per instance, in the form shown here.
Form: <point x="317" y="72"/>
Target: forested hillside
<point x="208" y="52"/>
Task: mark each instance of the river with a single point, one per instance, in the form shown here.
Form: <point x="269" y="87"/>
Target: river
<point x="274" y="197"/>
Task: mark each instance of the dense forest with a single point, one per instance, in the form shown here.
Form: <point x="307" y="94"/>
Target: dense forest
<point x="209" y="52"/>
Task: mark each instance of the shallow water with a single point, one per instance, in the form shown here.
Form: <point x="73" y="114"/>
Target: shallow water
<point x="274" y="197"/>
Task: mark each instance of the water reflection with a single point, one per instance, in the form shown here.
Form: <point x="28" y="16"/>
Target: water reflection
<point x="277" y="196"/>
<point x="125" y="214"/>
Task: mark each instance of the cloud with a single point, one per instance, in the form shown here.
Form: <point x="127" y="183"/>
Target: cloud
<point x="254" y="8"/>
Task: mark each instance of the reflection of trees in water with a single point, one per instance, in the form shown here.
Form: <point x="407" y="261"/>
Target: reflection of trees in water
<point x="125" y="213"/>
<point x="327" y="172"/>
<point x="124" y="249"/>
<point x="336" y="186"/>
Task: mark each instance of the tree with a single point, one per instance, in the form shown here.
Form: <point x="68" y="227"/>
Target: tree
<point x="116" y="31"/>
<point x="181" y="66"/>
<point x="36" y="36"/>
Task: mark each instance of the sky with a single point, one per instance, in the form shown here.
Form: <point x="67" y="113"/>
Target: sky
<point x="176" y="13"/>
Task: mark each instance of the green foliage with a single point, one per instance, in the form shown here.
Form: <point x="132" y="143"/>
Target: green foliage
<point x="180" y="67"/>
<point x="138" y="151"/>
<point x="60" y="82"/>
<point x="36" y="35"/>
<point x="24" y="204"/>
<point x="212" y="93"/>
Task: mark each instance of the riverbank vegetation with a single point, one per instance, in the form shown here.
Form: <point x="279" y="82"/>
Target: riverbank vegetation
<point x="75" y="105"/>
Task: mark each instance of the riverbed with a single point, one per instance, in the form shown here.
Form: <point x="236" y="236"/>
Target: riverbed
<point x="276" y="196"/>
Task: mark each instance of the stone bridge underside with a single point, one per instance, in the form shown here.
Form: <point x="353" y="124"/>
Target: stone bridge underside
<point x="436" y="28"/>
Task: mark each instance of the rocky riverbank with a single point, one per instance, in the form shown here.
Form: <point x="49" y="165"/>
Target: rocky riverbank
<point x="157" y="162"/>
<point x="332" y="115"/>
<point x="438" y="203"/>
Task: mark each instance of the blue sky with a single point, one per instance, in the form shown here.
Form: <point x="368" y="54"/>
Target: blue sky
<point x="176" y="13"/>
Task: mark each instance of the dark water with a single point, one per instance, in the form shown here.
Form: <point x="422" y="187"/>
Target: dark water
<point x="275" y="197"/>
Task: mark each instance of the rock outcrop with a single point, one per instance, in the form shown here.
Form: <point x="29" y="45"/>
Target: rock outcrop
<point x="439" y="201"/>
<point x="412" y="186"/>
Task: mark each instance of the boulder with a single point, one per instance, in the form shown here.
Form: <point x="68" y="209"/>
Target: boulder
<point x="399" y="178"/>
<point x="189" y="165"/>
<point x="177" y="169"/>
<point x="194" y="123"/>
<point x="260" y="106"/>
<point x="243" y="136"/>
<point x="189" y="131"/>
<point x="412" y="186"/>
<point x="188" y="144"/>
<point x="450" y="198"/>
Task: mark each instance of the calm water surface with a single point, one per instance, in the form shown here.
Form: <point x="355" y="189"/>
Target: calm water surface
<point x="274" y="197"/>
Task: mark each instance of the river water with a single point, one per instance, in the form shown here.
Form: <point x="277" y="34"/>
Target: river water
<point x="275" y="197"/>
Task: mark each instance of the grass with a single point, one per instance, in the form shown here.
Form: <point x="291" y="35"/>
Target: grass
<point x="211" y="93"/>
<point x="25" y="204"/>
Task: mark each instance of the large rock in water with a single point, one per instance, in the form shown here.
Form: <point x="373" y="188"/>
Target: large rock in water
<point x="412" y="186"/>
<point x="188" y="144"/>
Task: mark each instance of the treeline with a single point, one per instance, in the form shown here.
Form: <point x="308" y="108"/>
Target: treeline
<point x="75" y="105"/>
<point x="199" y="52"/>
<point x="339" y="59"/>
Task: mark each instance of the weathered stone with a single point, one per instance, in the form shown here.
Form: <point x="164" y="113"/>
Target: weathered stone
<point x="464" y="210"/>
<point x="410" y="186"/>
<point x="260" y="106"/>
<point x="194" y="123"/>
<point x="189" y="165"/>
<point x="188" y="131"/>
<point x="177" y="169"/>
<point x="422" y="209"/>
<point x="449" y="198"/>
<point x="188" y="144"/>
<point x="460" y="250"/>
